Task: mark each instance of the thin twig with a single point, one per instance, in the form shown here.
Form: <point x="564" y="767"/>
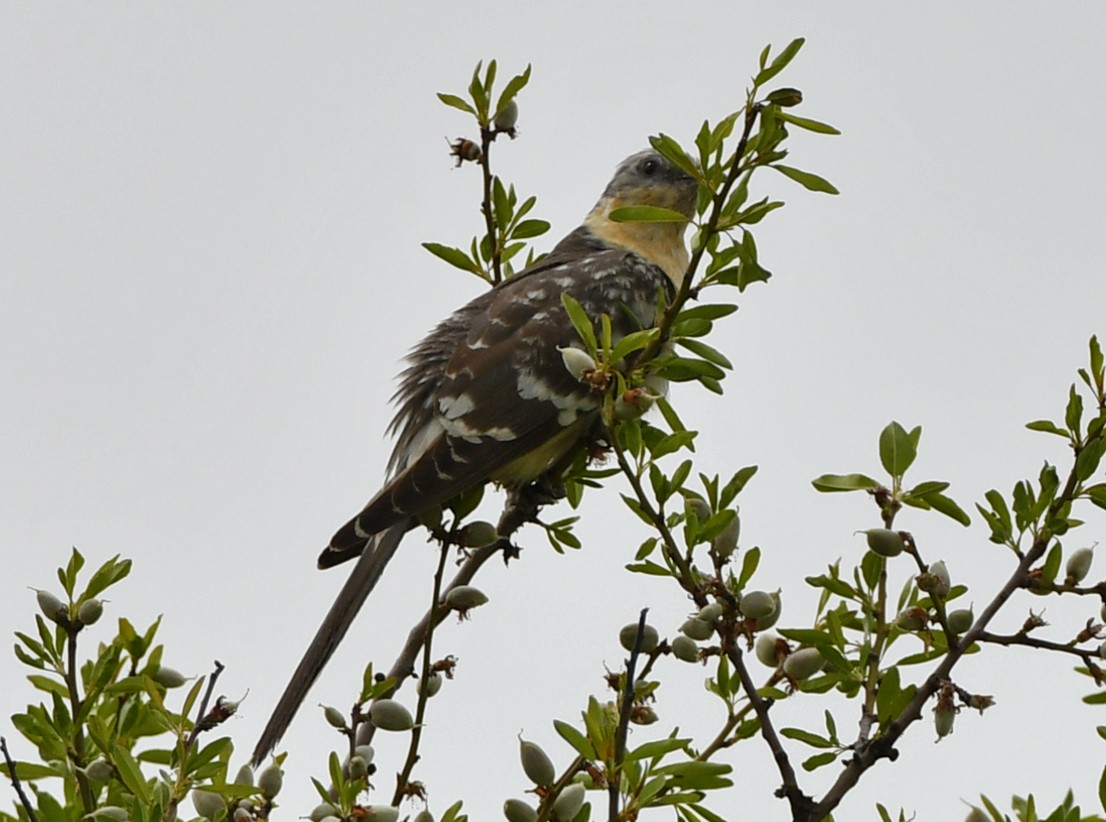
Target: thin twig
<point x="76" y="706"/>
<point x="614" y="780"/>
<point x="23" y="798"/>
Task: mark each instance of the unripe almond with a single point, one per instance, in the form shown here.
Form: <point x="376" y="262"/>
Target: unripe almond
<point x="111" y="812"/>
<point x="381" y="813"/>
<point x="99" y="770"/>
<point x="245" y="776"/>
<point x="53" y="608"/>
<point x="270" y="781"/>
<point x="432" y="684"/>
<point x="803" y="663"/>
<point x="912" y="618"/>
<point x="568" y="802"/>
<point x="633" y="403"/>
<point x="389" y="715"/>
<point x="366" y="752"/>
<point x="943" y="718"/>
<point x="700" y="508"/>
<point x="334" y="717"/>
<point x="711" y="612"/>
<point x="207" y="803"/>
<point x="243" y="814"/>
<point x="684" y="647"/>
<point x="696" y="628"/>
<point x="941" y="572"/>
<point x="536" y="763"/>
<point x="1102" y="612"/>
<point x="357" y="767"/>
<point x="756" y="604"/>
<point x="168" y="677"/>
<point x="478" y="534"/>
<point x="726" y="542"/>
<point x="90" y="611"/>
<point x="650" y="639"/>
<point x="1102" y="650"/>
<point x="579" y="363"/>
<point x="785" y="97"/>
<point x="322" y="811"/>
<point x="1078" y="565"/>
<point x="518" y="811"/>
<point x="960" y="620"/>
<point x="885" y="542"/>
<point x="507" y="117"/>
<point x="767" y="650"/>
<point x="767" y="622"/>
<point x="465" y="597"/>
<point x="424" y="816"/>
<point x="643" y="715"/>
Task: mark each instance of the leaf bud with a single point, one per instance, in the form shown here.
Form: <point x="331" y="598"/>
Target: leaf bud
<point x="389" y="715"/>
<point x="785" y="97"/>
<point x="90" y="611"/>
<point x="568" y="802"/>
<point x="518" y="811"/>
<point x="270" y="781"/>
<point x="53" y="608"/>
<point x="885" y="542"/>
<point x="507" y="117"/>
<point x="803" y="663"/>
<point x="579" y="363"/>
<point x="478" y="534"/>
<point x="684" y="647"/>
<point x="1078" y="565"/>
<point x="207" y="803"/>
<point x="536" y="763"/>
<point x="334" y="717"/>
<point x="321" y="812"/>
<point x="358" y="768"/>
<point x="767" y="650"/>
<point x="464" y="598"/>
<point x="696" y="628"/>
<point x="960" y="620"/>
<point x="168" y="677"/>
<point x="650" y="639"/>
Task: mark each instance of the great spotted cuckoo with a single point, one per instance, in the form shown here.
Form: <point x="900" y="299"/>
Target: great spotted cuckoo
<point x="487" y="397"/>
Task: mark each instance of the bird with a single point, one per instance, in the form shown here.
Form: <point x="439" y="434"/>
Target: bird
<point x="486" y="396"/>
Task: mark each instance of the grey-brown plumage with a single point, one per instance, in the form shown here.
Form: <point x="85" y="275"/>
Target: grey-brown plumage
<point x="486" y="395"/>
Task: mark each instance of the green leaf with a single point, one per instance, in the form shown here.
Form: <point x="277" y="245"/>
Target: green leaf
<point x="1073" y="415"/>
<point x="805" y="123"/>
<point x="454" y="256"/>
<point x="706" y="352"/>
<point x="806" y="737"/>
<point x="674" y="153"/>
<point x="646" y="214"/>
<point x="580" y="321"/>
<point x="457" y="103"/>
<point x="657" y="748"/>
<point x="809" y="181"/>
<point x="513" y="87"/>
<point x="713" y="311"/>
<point x="1048" y="427"/>
<point x="130" y="773"/>
<point x="1087" y="461"/>
<point x="634" y="341"/>
<point x="529" y="228"/>
<point x="948" y="507"/>
<point x="818" y="760"/>
<point x="897" y="449"/>
<point x="844" y="482"/>
<point x="780" y="63"/>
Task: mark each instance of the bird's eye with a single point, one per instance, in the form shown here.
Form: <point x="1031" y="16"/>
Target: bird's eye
<point x="649" y="167"/>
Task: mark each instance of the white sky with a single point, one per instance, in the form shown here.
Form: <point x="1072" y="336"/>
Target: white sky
<point x="210" y="268"/>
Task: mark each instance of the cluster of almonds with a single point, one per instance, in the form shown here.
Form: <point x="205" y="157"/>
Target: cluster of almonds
<point x="539" y="769"/>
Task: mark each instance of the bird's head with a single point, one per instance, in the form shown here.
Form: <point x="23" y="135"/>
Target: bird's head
<point x="647" y="178"/>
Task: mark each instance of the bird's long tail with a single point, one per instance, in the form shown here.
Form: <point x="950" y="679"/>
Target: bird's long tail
<point x="349" y="601"/>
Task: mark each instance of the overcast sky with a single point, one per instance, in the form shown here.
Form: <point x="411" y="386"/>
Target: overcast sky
<point x="210" y="219"/>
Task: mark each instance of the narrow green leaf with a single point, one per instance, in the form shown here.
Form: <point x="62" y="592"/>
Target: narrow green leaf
<point x="529" y="228"/>
<point x="706" y="352"/>
<point x="130" y="773"/>
<point x="712" y="311"/>
<point x="513" y="87"/>
<point x="674" y="153"/>
<point x="454" y="256"/>
<point x="844" y="482"/>
<point x="808" y="180"/>
<point x="806" y="737"/>
<point x="634" y="341"/>
<point x="457" y="103"/>
<point x="818" y="760"/>
<point x="806" y="123"/>
<point x="780" y="63"/>
<point x="580" y="321"/>
<point x="1048" y="427"/>
<point x="646" y="214"/>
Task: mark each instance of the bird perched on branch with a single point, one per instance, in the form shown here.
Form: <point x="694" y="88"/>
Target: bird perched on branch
<point x="487" y="397"/>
